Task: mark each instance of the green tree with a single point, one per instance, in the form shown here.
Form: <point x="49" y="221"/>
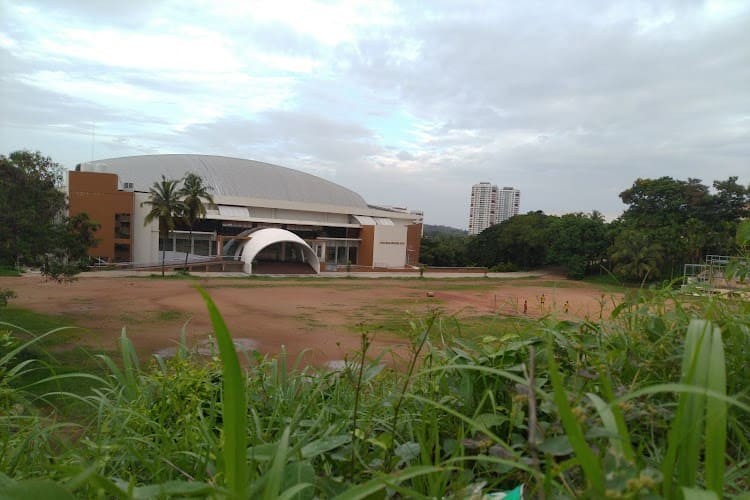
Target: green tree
<point x="73" y="237"/>
<point x="579" y="242"/>
<point x="33" y="227"/>
<point x="31" y="206"/>
<point x="196" y="195"/>
<point x="444" y="250"/>
<point x="522" y="240"/>
<point x="166" y="207"/>
<point x="684" y="218"/>
<point x="635" y="256"/>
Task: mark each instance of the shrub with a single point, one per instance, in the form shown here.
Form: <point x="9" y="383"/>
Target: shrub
<point x="505" y="267"/>
<point x="5" y="296"/>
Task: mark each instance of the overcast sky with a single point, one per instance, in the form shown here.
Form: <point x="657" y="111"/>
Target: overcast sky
<point x="407" y="103"/>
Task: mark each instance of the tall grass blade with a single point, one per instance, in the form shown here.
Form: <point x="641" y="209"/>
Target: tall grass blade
<point x="275" y="474"/>
<point x="130" y="366"/>
<point x="703" y="407"/>
<point x="587" y="459"/>
<point x="234" y="410"/>
<point x="373" y="486"/>
<point x="716" y="417"/>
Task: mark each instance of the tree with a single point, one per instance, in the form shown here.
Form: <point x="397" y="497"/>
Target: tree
<point x="578" y="242"/>
<point x="166" y="207"/>
<point x="31" y="205"/>
<point x="635" y="256"/>
<point x="444" y="250"/>
<point x="522" y="240"/>
<point x="684" y="218"/>
<point x="196" y="196"/>
<point x="33" y="227"/>
<point x="73" y="237"/>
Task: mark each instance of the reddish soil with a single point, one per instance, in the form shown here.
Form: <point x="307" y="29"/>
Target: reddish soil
<point x="312" y="314"/>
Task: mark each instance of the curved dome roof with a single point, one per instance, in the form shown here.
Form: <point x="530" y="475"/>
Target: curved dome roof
<point x="229" y="177"/>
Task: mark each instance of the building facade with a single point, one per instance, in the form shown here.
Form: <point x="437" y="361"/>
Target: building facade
<point x="483" y="207"/>
<point x="490" y="205"/>
<point x="508" y="203"/>
<point x="313" y="219"/>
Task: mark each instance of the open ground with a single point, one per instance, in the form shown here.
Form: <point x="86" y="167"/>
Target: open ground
<point x="319" y="316"/>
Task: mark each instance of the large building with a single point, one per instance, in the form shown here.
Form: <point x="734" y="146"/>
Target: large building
<point x="263" y="213"/>
<point x="490" y="205"/>
<point x="508" y="203"/>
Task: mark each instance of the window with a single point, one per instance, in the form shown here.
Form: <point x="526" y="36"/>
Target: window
<point x="122" y="226"/>
<point x="122" y="252"/>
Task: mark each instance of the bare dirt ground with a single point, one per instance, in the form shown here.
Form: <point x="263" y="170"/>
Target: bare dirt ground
<point x="321" y="316"/>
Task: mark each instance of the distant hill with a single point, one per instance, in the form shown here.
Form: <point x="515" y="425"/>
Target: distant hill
<point x="434" y="230"/>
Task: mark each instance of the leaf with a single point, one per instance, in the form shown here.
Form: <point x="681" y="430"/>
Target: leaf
<point x="234" y="402"/>
<point x="557" y="446"/>
<point x="373" y="486"/>
<point x="275" y="476"/>
<point x="698" y="494"/>
<point x="172" y="488"/>
<point x="407" y="451"/>
<point x="38" y="489"/>
<point x="323" y="445"/>
<point x="298" y="478"/>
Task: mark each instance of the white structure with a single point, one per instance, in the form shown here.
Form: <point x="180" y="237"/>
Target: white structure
<point x="508" y="203"/>
<point x="490" y="205"/>
<point x="297" y="217"/>
<point x="483" y="207"/>
<point x="263" y="238"/>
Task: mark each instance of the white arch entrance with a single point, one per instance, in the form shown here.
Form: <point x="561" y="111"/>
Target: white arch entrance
<point x="262" y="238"/>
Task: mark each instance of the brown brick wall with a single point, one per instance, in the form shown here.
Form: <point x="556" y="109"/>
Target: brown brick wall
<point x="413" y="242"/>
<point x="366" y="245"/>
<point x="96" y="194"/>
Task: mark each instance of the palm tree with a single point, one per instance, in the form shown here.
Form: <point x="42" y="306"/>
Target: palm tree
<point x="634" y="256"/>
<point x="195" y="198"/>
<point x="166" y="206"/>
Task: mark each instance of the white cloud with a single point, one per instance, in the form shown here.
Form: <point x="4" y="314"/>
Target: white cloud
<point x="406" y="103"/>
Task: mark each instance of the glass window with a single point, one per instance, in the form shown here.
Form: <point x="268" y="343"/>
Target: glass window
<point x="122" y="226"/>
<point x="122" y="252"/>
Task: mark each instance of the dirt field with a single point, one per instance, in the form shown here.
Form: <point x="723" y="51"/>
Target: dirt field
<point x="319" y="315"/>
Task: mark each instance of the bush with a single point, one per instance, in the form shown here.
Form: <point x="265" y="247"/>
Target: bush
<point x="505" y="267"/>
<point x="576" y="267"/>
<point x="5" y="295"/>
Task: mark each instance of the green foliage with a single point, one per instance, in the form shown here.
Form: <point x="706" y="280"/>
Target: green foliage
<point x="5" y="295"/>
<point x="166" y="207"/>
<point x="196" y="196"/>
<point x="681" y="221"/>
<point x="578" y="242"/>
<point x="33" y="230"/>
<point x="522" y="240"/>
<point x="635" y="257"/>
<point x="9" y="271"/>
<point x="444" y="250"/>
<point x="432" y="230"/>
<point x="650" y="403"/>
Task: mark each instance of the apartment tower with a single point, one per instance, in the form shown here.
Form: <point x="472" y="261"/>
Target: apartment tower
<point x="508" y="203"/>
<point x="490" y="205"/>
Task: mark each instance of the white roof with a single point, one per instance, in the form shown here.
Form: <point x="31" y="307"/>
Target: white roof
<point x="229" y="177"/>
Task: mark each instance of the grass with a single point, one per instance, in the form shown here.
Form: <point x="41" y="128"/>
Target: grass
<point x="9" y="271"/>
<point x="36" y="322"/>
<point x="649" y="403"/>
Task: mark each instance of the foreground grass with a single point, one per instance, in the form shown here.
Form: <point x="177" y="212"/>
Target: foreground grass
<point x="650" y="403"/>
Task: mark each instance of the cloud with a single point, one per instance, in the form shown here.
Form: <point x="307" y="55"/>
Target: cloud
<point x="407" y="104"/>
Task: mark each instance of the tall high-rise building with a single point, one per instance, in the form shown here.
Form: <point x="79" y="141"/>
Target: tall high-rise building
<point x="490" y="205"/>
<point x="508" y="203"/>
<point x="483" y="207"/>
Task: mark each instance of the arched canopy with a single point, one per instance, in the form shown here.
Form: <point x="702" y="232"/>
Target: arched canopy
<point x="263" y="238"/>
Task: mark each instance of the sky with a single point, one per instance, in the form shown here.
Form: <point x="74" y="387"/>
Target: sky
<point x="407" y="103"/>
